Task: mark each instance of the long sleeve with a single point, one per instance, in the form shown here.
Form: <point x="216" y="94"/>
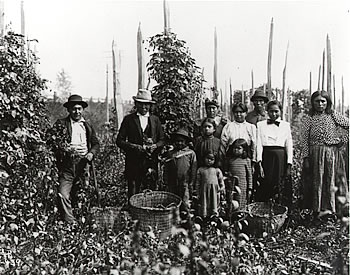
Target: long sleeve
<point x="289" y="146"/>
<point x="225" y="137"/>
<point x="253" y="142"/>
<point x="198" y="181"/>
<point x="220" y="178"/>
<point x="305" y="133"/>
<point x="193" y="173"/>
<point x="259" y="146"/>
<point x="343" y="122"/>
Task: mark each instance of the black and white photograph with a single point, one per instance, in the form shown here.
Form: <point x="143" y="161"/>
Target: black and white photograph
<point x="168" y="137"/>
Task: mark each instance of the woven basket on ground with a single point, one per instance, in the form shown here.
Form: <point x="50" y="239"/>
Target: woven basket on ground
<point x="105" y="217"/>
<point x="155" y="209"/>
<point x="264" y="217"/>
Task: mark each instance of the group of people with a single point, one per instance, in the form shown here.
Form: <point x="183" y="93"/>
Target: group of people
<point x="255" y="152"/>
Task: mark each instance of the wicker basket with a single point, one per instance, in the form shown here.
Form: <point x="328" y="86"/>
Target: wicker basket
<point x="105" y="218"/>
<point x="155" y="209"/>
<point x="264" y="217"/>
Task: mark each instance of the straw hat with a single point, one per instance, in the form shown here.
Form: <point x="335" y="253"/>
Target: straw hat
<point x="75" y="99"/>
<point x="144" y="96"/>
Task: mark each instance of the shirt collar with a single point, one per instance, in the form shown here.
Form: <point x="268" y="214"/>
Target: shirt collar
<point x="145" y="115"/>
<point x="79" y="121"/>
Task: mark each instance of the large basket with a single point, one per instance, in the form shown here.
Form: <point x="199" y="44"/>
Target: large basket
<point x="264" y="217"/>
<point x="155" y="209"/>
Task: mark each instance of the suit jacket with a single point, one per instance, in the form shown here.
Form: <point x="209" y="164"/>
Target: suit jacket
<point x="254" y="117"/>
<point x="131" y="134"/>
<point x="64" y="127"/>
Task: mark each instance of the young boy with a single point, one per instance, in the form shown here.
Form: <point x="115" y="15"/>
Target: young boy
<point x="180" y="167"/>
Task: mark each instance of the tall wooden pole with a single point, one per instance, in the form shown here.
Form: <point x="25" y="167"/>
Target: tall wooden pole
<point x="2" y="20"/>
<point x="140" y="60"/>
<point x="215" y="77"/>
<point x="310" y="84"/>
<point x="107" y="100"/>
<point x="166" y="14"/>
<point x="329" y="66"/>
<point x="118" y="90"/>
<point x="23" y="29"/>
<point x="334" y="97"/>
<point x="243" y="95"/>
<point x="269" y="60"/>
<point x="284" y="94"/>
<point x="323" y="69"/>
<point x="319" y="79"/>
<point x="342" y="96"/>
<point x="231" y="99"/>
<point x="114" y="78"/>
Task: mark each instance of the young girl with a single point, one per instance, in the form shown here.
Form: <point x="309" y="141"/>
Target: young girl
<point x="274" y="155"/>
<point x="180" y="167"/>
<point x="209" y="183"/>
<point x="207" y="142"/>
<point x="239" y="165"/>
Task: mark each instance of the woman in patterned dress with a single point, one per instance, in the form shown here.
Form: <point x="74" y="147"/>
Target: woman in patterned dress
<point x="320" y="141"/>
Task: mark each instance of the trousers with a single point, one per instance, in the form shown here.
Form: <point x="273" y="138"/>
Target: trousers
<point x="69" y="179"/>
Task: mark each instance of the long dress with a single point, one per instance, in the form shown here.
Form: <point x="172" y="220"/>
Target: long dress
<point x="319" y="139"/>
<point x="208" y="182"/>
<point x="242" y="169"/>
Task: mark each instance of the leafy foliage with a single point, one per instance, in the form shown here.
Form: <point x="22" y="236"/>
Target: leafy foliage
<point x="179" y="81"/>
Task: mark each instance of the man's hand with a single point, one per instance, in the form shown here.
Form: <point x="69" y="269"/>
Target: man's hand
<point x="289" y="170"/>
<point x="89" y="156"/>
<point x="261" y="170"/>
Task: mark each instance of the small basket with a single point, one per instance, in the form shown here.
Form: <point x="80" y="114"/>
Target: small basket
<point x="155" y="209"/>
<point x="105" y="217"/>
<point x="264" y="217"/>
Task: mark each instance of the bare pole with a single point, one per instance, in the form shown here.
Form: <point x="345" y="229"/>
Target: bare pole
<point x="310" y="84"/>
<point x="231" y="100"/>
<point x="342" y="96"/>
<point x="114" y="78"/>
<point x="23" y="29"/>
<point x="284" y="94"/>
<point x="329" y="66"/>
<point x="323" y="69"/>
<point x="319" y="78"/>
<point x="269" y="60"/>
<point x="201" y="111"/>
<point x="215" y="77"/>
<point x="140" y="60"/>
<point x="107" y="100"/>
<point x="166" y="14"/>
<point x="242" y="94"/>
<point x="335" y="102"/>
<point x="2" y="21"/>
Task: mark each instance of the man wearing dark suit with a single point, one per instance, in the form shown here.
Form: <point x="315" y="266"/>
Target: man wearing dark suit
<point x="74" y="143"/>
<point x="141" y="137"/>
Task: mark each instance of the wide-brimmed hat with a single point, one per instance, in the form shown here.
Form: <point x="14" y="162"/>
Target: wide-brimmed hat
<point x="75" y="99"/>
<point x="181" y="132"/>
<point x="259" y="94"/>
<point x="144" y="96"/>
<point x="209" y="102"/>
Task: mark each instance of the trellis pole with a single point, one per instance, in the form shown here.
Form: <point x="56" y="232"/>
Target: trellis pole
<point x="140" y="60"/>
<point x="329" y="67"/>
<point x="284" y="95"/>
<point x="2" y="21"/>
<point x="269" y="60"/>
<point x="166" y="13"/>
<point x="323" y="69"/>
<point x="215" y="76"/>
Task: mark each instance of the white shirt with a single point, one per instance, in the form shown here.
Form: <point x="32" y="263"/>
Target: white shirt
<point x="79" y="136"/>
<point x="273" y="135"/>
<point x="235" y="130"/>
<point x="143" y="120"/>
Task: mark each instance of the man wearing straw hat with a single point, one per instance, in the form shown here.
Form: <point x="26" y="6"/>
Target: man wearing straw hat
<point x="75" y="144"/>
<point x="141" y="137"/>
<point x="259" y="100"/>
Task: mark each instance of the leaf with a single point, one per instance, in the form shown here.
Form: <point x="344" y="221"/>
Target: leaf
<point x="184" y="250"/>
<point x="13" y="226"/>
<point x="322" y="235"/>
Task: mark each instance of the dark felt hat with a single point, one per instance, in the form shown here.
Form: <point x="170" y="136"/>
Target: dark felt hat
<point x="75" y="99"/>
<point x="144" y="96"/>
<point x="259" y="94"/>
<point x="181" y="132"/>
<point x="209" y="102"/>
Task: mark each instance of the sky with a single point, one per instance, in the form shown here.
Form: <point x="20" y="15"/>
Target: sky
<point x="77" y="36"/>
